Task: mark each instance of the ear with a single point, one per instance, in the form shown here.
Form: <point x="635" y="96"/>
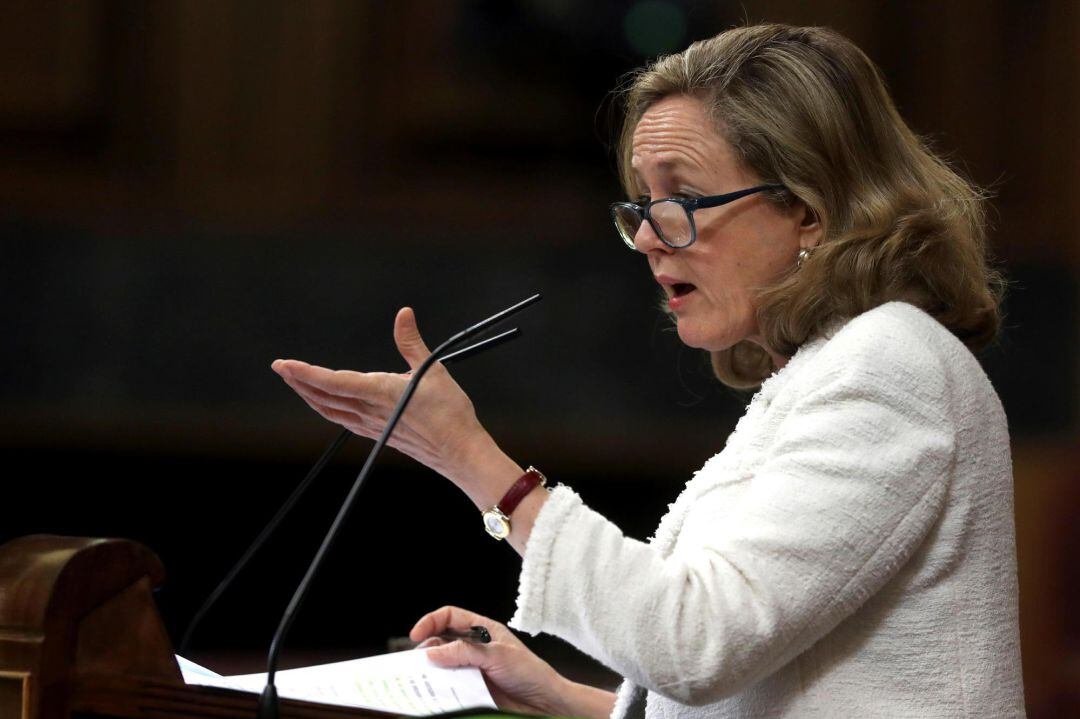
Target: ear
<point x="810" y="227"/>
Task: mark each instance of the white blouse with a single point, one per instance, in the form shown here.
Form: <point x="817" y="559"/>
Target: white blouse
<point x="850" y="552"/>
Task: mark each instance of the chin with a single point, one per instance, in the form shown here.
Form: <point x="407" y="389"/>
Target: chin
<point x="701" y="338"/>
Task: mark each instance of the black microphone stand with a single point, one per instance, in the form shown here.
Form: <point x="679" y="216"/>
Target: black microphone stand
<point x="328" y="454"/>
<point x="268" y="707"/>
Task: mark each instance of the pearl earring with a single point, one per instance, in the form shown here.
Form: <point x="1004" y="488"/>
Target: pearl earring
<point x="803" y="254"/>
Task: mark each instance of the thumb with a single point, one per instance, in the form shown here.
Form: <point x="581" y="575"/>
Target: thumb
<point x="407" y="337"/>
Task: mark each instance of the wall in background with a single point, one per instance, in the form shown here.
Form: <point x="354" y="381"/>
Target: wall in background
<point x="189" y="190"/>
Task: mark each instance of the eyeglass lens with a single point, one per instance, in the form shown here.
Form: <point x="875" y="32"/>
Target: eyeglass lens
<point x="670" y="218"/>
<point x="627" y="222"/>
<point x="673" y="221"/>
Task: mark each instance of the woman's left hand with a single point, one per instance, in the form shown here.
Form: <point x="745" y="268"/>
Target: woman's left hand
<point x="519" y="680"/>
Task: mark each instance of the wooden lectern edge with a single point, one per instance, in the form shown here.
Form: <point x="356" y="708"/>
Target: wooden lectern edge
<point x="133" y="698"/>
<point x="80" y="629"/>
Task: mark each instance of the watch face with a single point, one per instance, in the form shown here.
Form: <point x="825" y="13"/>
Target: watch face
<point x="496" y="525"/>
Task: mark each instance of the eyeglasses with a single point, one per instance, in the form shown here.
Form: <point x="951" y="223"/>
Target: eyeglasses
<point x="671" y="218"/>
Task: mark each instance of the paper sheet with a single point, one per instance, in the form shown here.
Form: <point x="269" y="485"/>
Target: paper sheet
<point x="402" y="683"/>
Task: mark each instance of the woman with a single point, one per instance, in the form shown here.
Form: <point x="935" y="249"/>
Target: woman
<point x="850" y="552"/>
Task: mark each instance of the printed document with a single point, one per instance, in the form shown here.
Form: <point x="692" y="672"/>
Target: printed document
<point x="400" y="683"/>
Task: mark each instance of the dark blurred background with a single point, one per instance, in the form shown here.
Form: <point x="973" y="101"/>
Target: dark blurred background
<point x="189" y="190"/>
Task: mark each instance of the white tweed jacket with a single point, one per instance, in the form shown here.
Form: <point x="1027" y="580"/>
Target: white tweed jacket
<point x="849" y="553"/>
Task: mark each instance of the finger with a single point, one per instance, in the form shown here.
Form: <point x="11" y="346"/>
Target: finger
<point x="372" y="387"/>
<point x="356" y="422"/>
<point x="310" y="401"/>
<point x="443" y="618"/>
<point x="362" y="418"/>
<point x="407" y="337"/>
<point x="325" y="404"/>
<point x="430" y="642"/>
<point x="333" y="401"/>
<point x="371" y="429"/>
<point x="286" y="367"/>
<point x="348" y="420"/>
<point x="460" y="654"/>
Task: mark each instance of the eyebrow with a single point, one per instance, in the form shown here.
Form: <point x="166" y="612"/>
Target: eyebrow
<point x="676" y="168"/>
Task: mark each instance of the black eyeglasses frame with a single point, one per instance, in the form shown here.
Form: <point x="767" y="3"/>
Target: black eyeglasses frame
<point x="689" y="205"/>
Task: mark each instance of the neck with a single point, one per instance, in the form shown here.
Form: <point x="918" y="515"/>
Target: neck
<point x="778" y="359"/>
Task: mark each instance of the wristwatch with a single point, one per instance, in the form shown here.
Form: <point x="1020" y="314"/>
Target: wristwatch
<point x="497" y="519"/>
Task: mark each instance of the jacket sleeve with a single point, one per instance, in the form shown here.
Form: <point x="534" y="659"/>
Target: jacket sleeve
<point x="855" y="479"/>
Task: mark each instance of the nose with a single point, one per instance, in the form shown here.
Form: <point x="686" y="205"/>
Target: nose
<point x="646" y="240"/>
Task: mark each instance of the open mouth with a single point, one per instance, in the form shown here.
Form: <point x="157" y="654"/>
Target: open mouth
<point x="682" y="288"/>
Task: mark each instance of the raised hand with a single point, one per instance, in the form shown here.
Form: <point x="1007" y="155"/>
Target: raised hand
<point x="439" y="428"/>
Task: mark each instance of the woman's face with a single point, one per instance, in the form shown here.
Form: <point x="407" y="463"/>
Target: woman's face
<point x="740" y="247"/>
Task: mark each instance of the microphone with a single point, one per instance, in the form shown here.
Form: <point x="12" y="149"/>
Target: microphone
<point x="268" y="707"/>
<point x="316" y="469"/>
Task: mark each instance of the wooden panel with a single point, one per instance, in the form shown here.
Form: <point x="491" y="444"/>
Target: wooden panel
<point x="1046" y="497"/>
<point x="256" y="100"/>
<point x="104" y="651"/>
<point x="14" y="696"/>
<point x="50" y="61"/>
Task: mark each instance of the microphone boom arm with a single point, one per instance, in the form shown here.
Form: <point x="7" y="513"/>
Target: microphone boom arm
<point x="268" y="701"/>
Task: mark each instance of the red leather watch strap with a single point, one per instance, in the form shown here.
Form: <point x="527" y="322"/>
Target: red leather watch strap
<point x="525" y="484"/>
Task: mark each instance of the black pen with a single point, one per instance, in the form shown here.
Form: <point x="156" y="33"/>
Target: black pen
<point x="476" y="635"/>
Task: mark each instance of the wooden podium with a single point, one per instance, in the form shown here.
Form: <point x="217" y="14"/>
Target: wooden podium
<point x="81" y="638"/>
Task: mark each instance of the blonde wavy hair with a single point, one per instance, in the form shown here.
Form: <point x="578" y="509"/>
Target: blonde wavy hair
<point x="804" y="107"/>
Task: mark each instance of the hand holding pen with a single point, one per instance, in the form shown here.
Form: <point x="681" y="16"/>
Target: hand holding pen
<point x="475" y="634"/>
<point x="519" y="680"/>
